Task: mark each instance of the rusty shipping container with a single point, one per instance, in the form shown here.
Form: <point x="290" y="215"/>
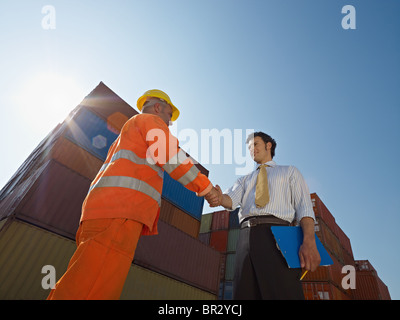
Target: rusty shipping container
<point x="219" y="240"/>
<point x="77" y="159"/>
<point x="322" y="291"/>
<point x="51" y="198"/>
<point x="344" y="241"/>
<point x="328" y="239"/>
<point x="179" y="256"/>
<point x="368" y="284"/>
<point x="179" y="219"/>
<point x="220" y="220"/>
<point x="322" y="211"/>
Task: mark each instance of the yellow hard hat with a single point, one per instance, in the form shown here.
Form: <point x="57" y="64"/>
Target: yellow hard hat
<point x="161" y="95"/>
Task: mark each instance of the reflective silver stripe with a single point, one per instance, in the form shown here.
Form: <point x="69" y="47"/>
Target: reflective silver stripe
<point x="175" y="161"/>
<point x="130" y="183"/>
<point x="189" y="176"/>
<point x="131" y="156"/>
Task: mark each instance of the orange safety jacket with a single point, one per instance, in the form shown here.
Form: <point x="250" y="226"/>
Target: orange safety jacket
<point x="129" y="184"/>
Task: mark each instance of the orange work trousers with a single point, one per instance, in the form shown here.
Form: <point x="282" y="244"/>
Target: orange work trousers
<point x="101" y="262"/>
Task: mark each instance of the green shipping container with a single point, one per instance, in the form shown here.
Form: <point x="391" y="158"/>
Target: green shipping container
<point x="206" y="220"/>
<point x="24" y="251"/>
<point x="143" y="284"/>
<point x="233" y="236"/>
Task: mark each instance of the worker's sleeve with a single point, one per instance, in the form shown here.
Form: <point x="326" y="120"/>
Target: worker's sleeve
<point x="163" y="149"/>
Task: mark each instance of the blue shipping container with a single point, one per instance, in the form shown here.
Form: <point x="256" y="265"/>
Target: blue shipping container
<point x="91" y="133"/>
<point x="234" y="219"/>
<point x="181" y="197"/>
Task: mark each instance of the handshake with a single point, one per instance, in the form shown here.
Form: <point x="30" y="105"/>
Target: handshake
<point x="214" y="197"/>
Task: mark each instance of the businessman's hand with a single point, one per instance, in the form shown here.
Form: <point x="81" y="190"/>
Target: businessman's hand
<point x="214" y="197"/>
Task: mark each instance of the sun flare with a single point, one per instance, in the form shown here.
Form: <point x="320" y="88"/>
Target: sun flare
<point x="47" y="98"/>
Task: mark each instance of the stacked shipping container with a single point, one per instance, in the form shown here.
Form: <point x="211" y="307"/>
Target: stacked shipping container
<point x="326" y="282"/>
<point x="220" y="230"/>
<point x="44" y="198"/>
<point x="369" y="285"/>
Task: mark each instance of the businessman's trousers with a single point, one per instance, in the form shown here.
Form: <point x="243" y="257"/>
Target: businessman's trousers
<point x="101" y="262"/>
<point x="261" y="272"/>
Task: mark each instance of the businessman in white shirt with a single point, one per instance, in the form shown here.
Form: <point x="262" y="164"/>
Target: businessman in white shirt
<point x="260" y="269"/>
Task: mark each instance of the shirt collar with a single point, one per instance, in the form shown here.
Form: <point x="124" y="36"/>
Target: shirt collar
<point x="269" y="163"/>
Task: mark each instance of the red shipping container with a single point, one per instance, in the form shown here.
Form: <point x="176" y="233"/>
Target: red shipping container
<point x="368" y="284"/>
<point x="50" y="198"/>
<point x="328" y="239"/>
<point x="317" y="290"/>
<point x="219" y="240"/>
<point x="179" y="219"/>
<point x="344" y="240"/>
<point x="220" y="220"/>
<point x="322" y="211"/>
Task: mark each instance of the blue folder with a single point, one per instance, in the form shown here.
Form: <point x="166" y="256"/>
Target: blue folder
<point x="289" y="240"/>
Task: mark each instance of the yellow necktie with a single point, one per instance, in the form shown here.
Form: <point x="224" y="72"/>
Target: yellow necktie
<point x="262" y="192"/>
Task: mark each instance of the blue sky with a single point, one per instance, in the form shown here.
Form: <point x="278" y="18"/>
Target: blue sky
<point x="329" y="96"/>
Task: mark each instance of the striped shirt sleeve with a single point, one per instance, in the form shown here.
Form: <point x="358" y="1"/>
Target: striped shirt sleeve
<point x="301" y="200"/>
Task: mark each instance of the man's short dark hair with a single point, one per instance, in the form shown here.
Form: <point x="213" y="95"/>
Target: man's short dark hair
<point x="266" y="138"/>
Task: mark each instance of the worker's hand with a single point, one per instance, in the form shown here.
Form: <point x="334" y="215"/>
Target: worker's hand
<point x="309" y="255"/>
<point x="214" y="197"/>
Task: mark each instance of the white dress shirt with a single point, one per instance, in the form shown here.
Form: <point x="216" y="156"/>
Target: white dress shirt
<point x="288" y="192"/>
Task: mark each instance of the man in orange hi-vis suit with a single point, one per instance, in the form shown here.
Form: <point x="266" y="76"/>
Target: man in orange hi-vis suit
<point x="124" y="201"/>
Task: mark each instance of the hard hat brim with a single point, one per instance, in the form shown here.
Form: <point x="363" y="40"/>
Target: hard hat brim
<point x="142" y="99"/>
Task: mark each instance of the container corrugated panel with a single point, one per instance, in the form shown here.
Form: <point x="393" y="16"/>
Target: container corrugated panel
<point x="179" y="256"/>
<point x="366" y="286"/>
<point x="328" y="238"/>
<point x="219" y="240"/>
<point x="179" y="219"/>
<point x="108" y="105"/>
<point x="233" y="236"/>
<point x="220" y="220"/>
<point x="52" y="199"/>
<point x="24" y="251"/>
<point x="369" y="286"/>
<point x="205" y="238"/>
<point x="12" y="200"/>
<point x="322" y="211"/>
<point x="234" y="219"/>
<point x="222" y="267"/>
<point x="332" y="273"/>
<point x="383" y="290"/>
<point x="32" y="163"/>
<point x="347" y="258"/>
<point x="344" y="240"/>
<point x="90" y="132"/>
<point x="205" y="225"/>
<point x="317" y="290"/>
<point x="322" y="273"/>
<point x="183" y="198"/>
<point x="228" y="290"/>
<point x="77" y="159"/>
<point x="144" y="284"/>
<point x="230" y="266"/>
